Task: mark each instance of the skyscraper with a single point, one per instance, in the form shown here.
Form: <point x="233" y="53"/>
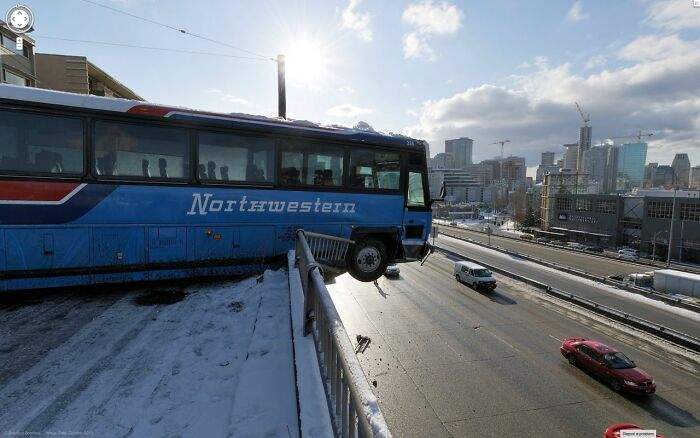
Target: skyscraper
<point x="570" y="156"/>
<point x="695" y="177"/>
<point x="632" y="158"/>
<point x="610" y="172"/>
<point x="461" y="149"/>
<point x="594" y="160"/>
<point x="584" y="144"/>
<point x="547" y="159"/>
<point x="681" y="170"/>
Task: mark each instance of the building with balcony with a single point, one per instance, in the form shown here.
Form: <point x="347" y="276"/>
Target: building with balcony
<point x="17" y="67"/>
<point x="76" y="74"/>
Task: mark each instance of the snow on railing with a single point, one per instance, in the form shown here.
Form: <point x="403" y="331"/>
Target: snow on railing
<point x="354" y="407"/>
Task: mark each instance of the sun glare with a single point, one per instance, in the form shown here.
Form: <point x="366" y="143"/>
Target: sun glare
<point x="307" y="63"/>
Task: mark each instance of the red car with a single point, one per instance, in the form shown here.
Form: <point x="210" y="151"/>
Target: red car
<point x="612" y="366"/>
<point x="614" y="430"/>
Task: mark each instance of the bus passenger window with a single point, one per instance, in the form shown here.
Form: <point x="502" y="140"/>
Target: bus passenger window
<point x="39" y="144"/>
<point x="126" y="149"/>
<point x="416" y="194"/>
<point x="232" y="157"/>
<point x="325" y="169"/>
<point x="374" y="170"/>
<point x="291" y="168"/>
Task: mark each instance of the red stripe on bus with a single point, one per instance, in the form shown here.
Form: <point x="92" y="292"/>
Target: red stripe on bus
<point x="34" y="190"/>
<point x="150" y="110"/>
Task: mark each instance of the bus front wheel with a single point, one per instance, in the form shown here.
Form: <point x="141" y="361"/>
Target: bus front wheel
<point x="367" y="259"/>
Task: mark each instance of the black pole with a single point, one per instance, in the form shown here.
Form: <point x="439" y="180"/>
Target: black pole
<point x="281" y="88"/>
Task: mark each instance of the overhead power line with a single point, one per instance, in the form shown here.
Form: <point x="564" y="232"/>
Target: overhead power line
<point x="162" y="49"/>
<point x="182" y="31"/>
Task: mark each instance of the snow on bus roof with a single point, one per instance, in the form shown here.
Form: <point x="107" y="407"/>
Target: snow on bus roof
<point x="363" y="132"/>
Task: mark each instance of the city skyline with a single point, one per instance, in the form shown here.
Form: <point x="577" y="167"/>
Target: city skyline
<point x="396" y="68"/>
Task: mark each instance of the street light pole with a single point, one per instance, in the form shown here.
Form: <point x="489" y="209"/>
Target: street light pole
<point x="281" y="88"/>
<point x="670" y="233"/>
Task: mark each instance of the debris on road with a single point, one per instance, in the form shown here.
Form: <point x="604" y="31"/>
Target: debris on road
<point x="362" y="343"/>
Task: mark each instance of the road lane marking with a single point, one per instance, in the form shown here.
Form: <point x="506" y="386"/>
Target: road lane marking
<point x="553" y="337"/>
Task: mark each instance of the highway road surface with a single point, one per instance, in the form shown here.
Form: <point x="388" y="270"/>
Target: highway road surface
<point x="445" y="360"/>
<point x="577" y="259"/>
<point x="655" y="311"/>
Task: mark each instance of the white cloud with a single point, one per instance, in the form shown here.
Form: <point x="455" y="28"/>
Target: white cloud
<point x="673" y="15"/>
<point x="659" y="92"/>
<point x="595" y="62"/>
<point x="348" y="111"/>
<point x="227" y="97"/>
<point x="428" y="19"/>
<point x="346" y="89"/>
<point x="414" y="46"/>
<point x="360" y="22"/>
<point x="576" y="13"/>
<point x="234" y="99"/>
<point x="653" y="47"/>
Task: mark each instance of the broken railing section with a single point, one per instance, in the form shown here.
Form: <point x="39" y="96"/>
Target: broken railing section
<point x="354" y="408"/>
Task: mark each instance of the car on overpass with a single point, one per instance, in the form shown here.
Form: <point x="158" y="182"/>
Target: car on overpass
<point x="613" y="366"/>
<point x="474" y="275"/>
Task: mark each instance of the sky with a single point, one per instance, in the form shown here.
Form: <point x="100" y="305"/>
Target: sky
<point x="488" y="70"/>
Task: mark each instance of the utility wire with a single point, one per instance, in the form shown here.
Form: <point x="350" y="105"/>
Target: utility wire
<point x="182" y="31"/>
<point x="163" y="49"/>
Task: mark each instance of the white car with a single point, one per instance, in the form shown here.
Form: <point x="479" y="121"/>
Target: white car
<point x="577" y="246"/>
<point x="474" y="275"/>
<point x="392" y="271"/>
<point x="628" y="254"/>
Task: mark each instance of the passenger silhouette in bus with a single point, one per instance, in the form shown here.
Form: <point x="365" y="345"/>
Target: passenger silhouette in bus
<point x="211" y="170"/>
<point x="145" y="168"/>
<point x="106" y="164"/>
<point x="201" y="172"/>
<point x="163" y="167"/>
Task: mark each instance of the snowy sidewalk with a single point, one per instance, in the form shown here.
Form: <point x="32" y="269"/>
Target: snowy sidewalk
<point x="217" y="363"/>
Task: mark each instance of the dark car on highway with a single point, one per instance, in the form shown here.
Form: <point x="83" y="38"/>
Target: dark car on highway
<point x="616" y="369"/>
<point x="594" y="248"/>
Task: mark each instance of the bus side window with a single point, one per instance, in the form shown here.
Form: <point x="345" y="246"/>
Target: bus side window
<point x="237" y="158"/>
<point x="311" y="164"/>
<point x="374" y="170"/>
<point x="40" y="144"/>
<point x="132" y="150"/>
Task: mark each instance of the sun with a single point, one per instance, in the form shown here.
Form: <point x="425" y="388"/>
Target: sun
<point x="306" y="62"/>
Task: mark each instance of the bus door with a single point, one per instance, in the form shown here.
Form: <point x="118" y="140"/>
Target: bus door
<point x="416" y="220"/>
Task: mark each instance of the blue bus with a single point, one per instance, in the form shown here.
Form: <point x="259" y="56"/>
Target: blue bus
<point x="96" y="190"/>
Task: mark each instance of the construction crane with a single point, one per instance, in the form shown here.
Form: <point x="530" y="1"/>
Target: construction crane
<point x="638" y="135"/>
<point x="586" y="117"/>
<point x="501" y="142"/>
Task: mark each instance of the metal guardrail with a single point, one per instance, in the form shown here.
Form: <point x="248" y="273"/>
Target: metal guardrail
<point x="353" y="407"/>
<point x="663" y="332"/>
<point x="328" y="250"/>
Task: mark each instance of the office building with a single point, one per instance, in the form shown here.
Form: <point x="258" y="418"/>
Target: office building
<point x="681" y="170"/>
<point x="595" y="160"/>
<point x="461" y="149"/>
<point x="641" y="220"/>
<point x="570" y="156"/>
<point x="649" y="172"/>
<point x="695" y="177"/>
<point x="547" y="159"/>
<point x="17" y="67"/>
<point x="631" y="161"/>
<point x="443" y="160"/>
<point x="584" y="144"/>
<point x="513" y="170"/>
<point x="544" y="169"/>
<point x="664" y="177"/>
<point x="610" y="171"/>
<point x="76" y="74"/>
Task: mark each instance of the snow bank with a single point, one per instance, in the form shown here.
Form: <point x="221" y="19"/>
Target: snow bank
<point x="217" y="363"/>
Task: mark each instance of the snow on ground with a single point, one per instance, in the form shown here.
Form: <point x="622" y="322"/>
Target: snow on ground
<point x="216" y="363"/>
<point x="506" y="230"/>
<point x="600" y="286"/>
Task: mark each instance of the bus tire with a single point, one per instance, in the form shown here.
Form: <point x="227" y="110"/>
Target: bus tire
<point x="367" y="259"/>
